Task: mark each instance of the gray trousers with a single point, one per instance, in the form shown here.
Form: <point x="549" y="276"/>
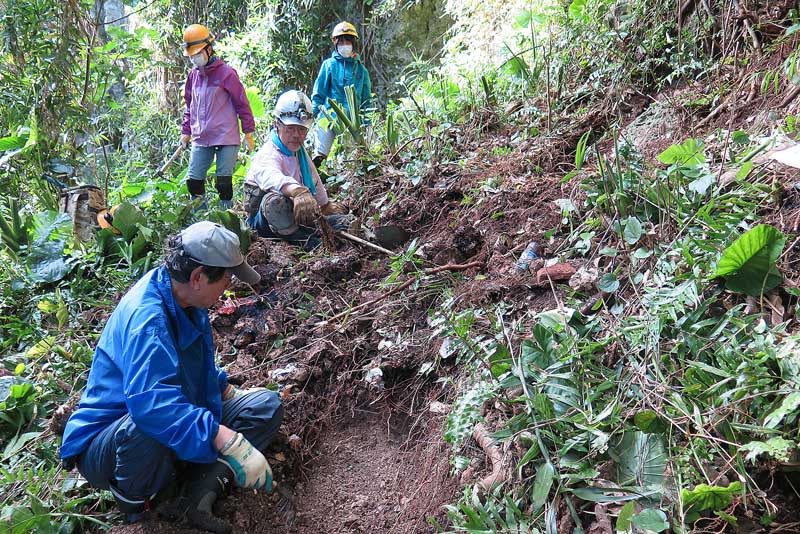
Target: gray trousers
<point x="134" y="466"/>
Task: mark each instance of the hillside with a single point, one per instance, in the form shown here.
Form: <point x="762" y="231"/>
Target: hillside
<point x="640" y="375"/>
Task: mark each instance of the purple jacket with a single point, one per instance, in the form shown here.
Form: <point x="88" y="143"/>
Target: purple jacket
<point x="214" y="97"/>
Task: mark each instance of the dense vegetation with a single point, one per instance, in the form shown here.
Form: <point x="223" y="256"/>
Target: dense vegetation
<point x="664" y="392"/>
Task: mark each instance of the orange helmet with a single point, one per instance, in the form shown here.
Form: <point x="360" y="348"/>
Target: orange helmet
<point x="105" y="218"/>
<point x="195" y="38"/>
<point x="344" y="28"/>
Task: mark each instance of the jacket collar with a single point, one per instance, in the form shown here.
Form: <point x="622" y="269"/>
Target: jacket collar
<point x="187" y="332"/>
<point x="213" y="64"/>
<point x="339" y="57"/>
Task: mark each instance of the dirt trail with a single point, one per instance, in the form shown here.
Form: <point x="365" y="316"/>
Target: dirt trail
<point x="369" y="476"/>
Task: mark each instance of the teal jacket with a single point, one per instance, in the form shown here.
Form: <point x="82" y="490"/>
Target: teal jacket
<point x="334" y="75"/>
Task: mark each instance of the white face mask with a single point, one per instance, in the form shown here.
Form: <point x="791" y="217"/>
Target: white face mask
<point x="199" y="59"/>
<point x="345" y="50"/>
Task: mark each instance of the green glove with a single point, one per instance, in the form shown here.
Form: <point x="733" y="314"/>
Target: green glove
<point x="250" y="468"/>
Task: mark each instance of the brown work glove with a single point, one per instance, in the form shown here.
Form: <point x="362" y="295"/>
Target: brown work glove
<point x="305" y="206"/>
<point x="334" y="208"/>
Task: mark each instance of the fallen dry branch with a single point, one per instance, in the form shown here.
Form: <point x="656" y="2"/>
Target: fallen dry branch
<point x="364" y="242"/>
<point x="495" y="456"/>
<point x="401" y="287"/>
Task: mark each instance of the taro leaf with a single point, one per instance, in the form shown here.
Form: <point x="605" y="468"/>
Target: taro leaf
<point x="608" y="283"/>
<point x="46" y="262"/>
<point x="749" y="263"/>
<point x="256" y="104"/>
<point x="690" y="152"/>
<point x="633" y="230"/>
<point x="127" y="219"/>
<point x="777" y="448"/>
<point x="651" y="519"/>
<point x="650" y="422"/>
<point x="542" y="485"/>
<point x="624" y="517"/>
<point x="640" y="458"/>
<point x="51" y="226"/>
<point x="704" y="497"/>
<point x="788" y="406"/>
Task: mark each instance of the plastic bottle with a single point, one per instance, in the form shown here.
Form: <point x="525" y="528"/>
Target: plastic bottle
<point x="530" y="253"/>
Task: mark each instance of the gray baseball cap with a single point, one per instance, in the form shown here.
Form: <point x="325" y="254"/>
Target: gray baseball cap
<point x="214" y="245"/>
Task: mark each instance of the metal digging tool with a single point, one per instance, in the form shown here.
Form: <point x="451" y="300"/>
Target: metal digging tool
<point x="170" y="161"/>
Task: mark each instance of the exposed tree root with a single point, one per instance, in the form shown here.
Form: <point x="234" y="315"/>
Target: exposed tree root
<point x="401" y="287"/>
<point x="495" y="456"/>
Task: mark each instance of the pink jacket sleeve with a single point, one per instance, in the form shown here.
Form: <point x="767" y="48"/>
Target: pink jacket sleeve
<point x="186" y="128"/>
<point x="234" y="86"/>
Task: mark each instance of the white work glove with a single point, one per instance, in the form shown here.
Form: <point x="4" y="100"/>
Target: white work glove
<point x="250" y="468"/>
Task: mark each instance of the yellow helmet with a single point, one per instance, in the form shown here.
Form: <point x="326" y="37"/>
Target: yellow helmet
<point x="344" y="28"/>
<point x="195" y="38"/>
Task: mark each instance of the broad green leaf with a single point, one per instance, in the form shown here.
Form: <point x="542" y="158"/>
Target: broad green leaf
<point x="232" y="222"/>
<point x="704" y="497"/>
<point x="127" y="219"/>
<point x="577" y="11"/>
<point x="641" y="459"/>
<point x="542" y="485"/>
<point x="777" y="448"/>
<point x="650" y="422"/>
<point x="608" y="283"/>
<point x="256" y="103"/>
<point x="13" y="142"/>
<point x="788" y="406"/>
<point x="642" y="253"/>
<point x="702" y="183"/>
<point x="46" y="262"/>
<point x="749" y="263"/>
<point x="690" y="152"/>
<point x="19" y="369"/>
<point x="651" y="519"/>
<point x="740" y="136"/>
<point x="633" y="230"/>
<point x="608" y="251"/>
<point x="624" y="517"/>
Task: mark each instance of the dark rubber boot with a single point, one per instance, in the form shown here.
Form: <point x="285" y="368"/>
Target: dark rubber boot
<point x="201" y="490"/>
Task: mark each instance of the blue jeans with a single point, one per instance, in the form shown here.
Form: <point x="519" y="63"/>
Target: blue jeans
<point x="134" y="466"/>
<point x="202" y="156"/>
<point x="307" y="237"/>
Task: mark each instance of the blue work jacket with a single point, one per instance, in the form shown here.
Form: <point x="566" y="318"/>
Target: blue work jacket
<point x="154" y="361"/>
<point x="334" y="75"/>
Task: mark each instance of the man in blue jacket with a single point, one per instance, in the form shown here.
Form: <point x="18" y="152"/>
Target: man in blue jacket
<point x="343" y="68"/>
<point x="156" y="406"/>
